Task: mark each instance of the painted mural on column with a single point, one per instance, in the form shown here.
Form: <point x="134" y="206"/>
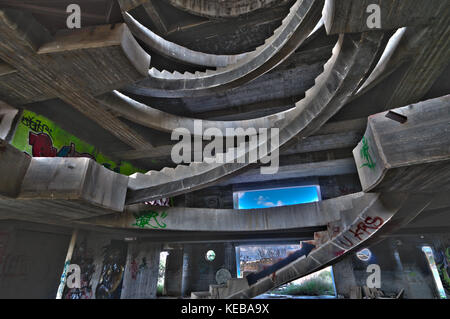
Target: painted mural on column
<point x="111" y="278"/>
<point x="84" y="257"/>
<point x="442" y="258"/>
<point x="41" y="137"/>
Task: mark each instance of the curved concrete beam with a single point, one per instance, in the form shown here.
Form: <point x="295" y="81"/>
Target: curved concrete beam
<point x="166" y="122"/>
<point x="401" y="48"/>
<point x="175" y="51"/>
<point x="380" y="214"/>
<point x="295" y="28"/>
<point x="224" y="9"/>
<point x="229" y="220"/>
<point x="343" y="73"/>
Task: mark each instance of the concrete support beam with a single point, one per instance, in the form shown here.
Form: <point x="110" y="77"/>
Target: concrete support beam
<point x="409" y="156"/>
<point x="79" y="179"/>
<point x="13" y="167"/>
<point x="174" y="273"/>
<point x="7" y="115"/>
<point x="344" y="278"/>
<point x="51" y="189"/>
<point x="325" y="168"/>
<point x="229" y="220"/>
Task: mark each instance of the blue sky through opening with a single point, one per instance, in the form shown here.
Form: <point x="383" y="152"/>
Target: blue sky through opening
<point x="277" y="197"/>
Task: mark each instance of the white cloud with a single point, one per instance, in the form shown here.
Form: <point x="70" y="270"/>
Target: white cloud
<point x="261" y="200"/>
<point x="264" y="201"/>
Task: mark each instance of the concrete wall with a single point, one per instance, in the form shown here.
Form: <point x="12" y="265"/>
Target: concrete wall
<point x="31" y="260"/>
<point x="339" y="185"/>
<point x="141" y="272"/>
<point x="199" y="273"/>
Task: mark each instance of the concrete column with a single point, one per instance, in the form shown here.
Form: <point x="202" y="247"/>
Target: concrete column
<point x="141" y="271"/>
<point x="230" y="259"/>
<point x="198" y="272"/>
<point x="174" y="273"/>
<point x="186" y="276"/>
<point x="344" y="277"/>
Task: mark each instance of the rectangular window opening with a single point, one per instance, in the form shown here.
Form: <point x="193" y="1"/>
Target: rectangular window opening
<point x="273" y="197"/>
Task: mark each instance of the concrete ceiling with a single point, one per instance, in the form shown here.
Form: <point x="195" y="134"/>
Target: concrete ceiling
<point x="274" y="91"/>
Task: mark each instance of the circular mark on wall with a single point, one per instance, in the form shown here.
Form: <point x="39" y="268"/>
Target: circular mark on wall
<point x="222" y="276"/>
<point x="364" y="254"/>
<point x="210" y="255"/>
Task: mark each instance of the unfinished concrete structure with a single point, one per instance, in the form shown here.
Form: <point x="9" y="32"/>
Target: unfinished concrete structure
<point x="87" y="175"/>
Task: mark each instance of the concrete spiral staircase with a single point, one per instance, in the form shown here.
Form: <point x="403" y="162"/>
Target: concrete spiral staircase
<point x="399" y="179"/>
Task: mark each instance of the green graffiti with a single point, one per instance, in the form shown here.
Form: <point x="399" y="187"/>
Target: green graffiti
<point x="365" y="154"/>
<point x="151" y="219"/>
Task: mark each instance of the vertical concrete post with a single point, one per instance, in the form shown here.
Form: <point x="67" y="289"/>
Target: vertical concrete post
<point x="186" y="275"/>
<point x="141" y="271"/>
<point x="62" y="282"/>
<point x="230" y="258"/>
<point x="174" y="273"/>
<point x="344" y="277"/>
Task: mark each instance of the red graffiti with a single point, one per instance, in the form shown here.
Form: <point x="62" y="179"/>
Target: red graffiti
<point x="348" y="242"/>
<point x="365" y="227"/>
<point x="339" y="253"/>
<point x="42" y="145"/>
<point x="134" y="269"/>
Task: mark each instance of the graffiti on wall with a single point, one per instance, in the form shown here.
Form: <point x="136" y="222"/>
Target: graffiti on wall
<point x="136" y="269"/>
<point x="111" y="277"/>
<point x="365" y="154"/>
<point x="442" y="263"/>
<point x="356" y="234"/>
<point x="150" y="219"/>
<point x="40" y="137"/>
<point x="160" y="202"/>
<point x="84" y="257"/>
<point x="35" y="125"/>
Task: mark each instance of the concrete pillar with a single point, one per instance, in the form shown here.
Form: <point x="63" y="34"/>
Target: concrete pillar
<point x="174" y="273"/>
<point x="141" y="271"/>
<point x="186" y="276"/>
<point x="230" y="259"/>
<point x="198" y="272"/>
<point x="418" y="279"/>
<point x="344" y="277"/>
